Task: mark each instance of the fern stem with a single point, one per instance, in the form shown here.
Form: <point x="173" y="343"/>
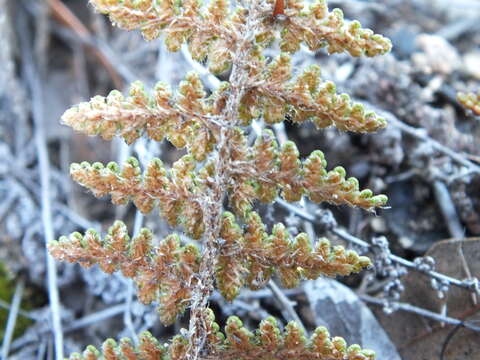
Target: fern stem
<point x="213" y="200"/>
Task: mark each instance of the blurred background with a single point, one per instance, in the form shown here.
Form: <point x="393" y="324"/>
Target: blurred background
<point x="420" y="301"/>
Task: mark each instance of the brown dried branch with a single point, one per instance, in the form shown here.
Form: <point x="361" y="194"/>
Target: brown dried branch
<point x="65" y="16"/>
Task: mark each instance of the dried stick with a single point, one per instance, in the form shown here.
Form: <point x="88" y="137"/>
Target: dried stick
<point x="12" y="318"/>
<point x="350" y="238"/>
<point x="289" y="311"/>
<point x="262" y="294"/>
<point x="200" y="69"/>
<point x="466" y="268"/>
<point x="53" y="292"/>
<point x="34" y="84"/>
<point x="81" y="323"/>
<point x="447" y="208"/>
<point x="402" y="306"/>
<point x="42" y="349"/>
<point x="421" y="134"/>
<point x="63" y="15"/>
<point x="75" y="218"/>
<point x="95" y="317"/>
<point x="5" y="305"/>
<point x="70" y="35"/>
<point x="422" y="312"/>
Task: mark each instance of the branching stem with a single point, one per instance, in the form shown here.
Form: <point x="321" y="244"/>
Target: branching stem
<point x="213" y="201"/>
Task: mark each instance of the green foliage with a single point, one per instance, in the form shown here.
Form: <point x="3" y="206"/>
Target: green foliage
<point x="7" y="289"/>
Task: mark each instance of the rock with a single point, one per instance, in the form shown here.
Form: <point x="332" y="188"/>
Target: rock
<point x="471" y="64"/>
<point x="436" y="55"/>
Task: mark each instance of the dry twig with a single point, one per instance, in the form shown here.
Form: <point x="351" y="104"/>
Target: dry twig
<point x="34" y="83"/>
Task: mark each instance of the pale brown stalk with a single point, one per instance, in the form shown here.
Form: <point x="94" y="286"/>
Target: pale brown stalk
<point x="213" y="201"/>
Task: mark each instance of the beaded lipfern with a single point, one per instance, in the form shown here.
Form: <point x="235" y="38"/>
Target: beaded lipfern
<point x="470" y="101"/>
<point x="234" y="248"/>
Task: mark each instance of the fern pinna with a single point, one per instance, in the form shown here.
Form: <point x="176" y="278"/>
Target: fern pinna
<point x="234" y="250"/>
<point x="470" y="101"/>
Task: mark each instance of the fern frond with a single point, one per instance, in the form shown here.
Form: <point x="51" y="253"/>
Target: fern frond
<point x="189" y="118"/>
<point x="208" y="31"/>
<point x="211" y="31"/>
<point x="174" y="192"/>
<point x="219" y="165"/>
<point x="251" y="257"/>
<point x="238" y="343"/>
<point x="166" y="273"/>
<point x="260" y="175"/>
<point x="183" y="119"/>
<point x="306" y="98"/>
<point x="318" y="27"/>
<point x="148" y="348"/>
<point x="163" y="273"/>
<point x="333" y="187"/>
<point x="271" y="170"/>
<point x="470" y="101"/>
<point x="127" y="117"/>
